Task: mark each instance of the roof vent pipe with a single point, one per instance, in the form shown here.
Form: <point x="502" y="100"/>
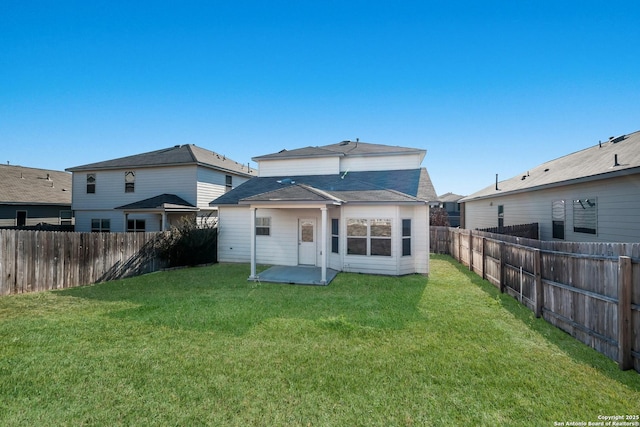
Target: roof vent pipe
<point x="615" y="160"/>
<point x="497" y="182"/>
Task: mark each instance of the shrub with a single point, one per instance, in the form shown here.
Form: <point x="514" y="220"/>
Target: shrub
<point x="190" y="242"/>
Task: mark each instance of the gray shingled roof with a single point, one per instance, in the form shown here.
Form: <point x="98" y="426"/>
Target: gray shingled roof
<point x="449" y="197"/>
<point x="597" y="162"/>
<point x="187" y="154"/>
<point x="293" y="193"/>
<point x="345" y="148"/>
<point x="374" y="186"/>
<point x="22" y="185"/>
<point x="159" y="202"/>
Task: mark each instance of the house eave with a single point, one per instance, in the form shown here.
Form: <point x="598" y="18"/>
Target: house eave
<point x="575" y="181"/>
<point x="137" y="167"/>
<point x="280" y="204"/>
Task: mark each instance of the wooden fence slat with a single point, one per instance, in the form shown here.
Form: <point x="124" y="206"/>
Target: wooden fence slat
<point x="538" y="283"/>
<point x="625" y="360"/>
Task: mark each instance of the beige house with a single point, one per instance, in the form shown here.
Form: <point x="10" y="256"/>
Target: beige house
<point x="592" y="195"/>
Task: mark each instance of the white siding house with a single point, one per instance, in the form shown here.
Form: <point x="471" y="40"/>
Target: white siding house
<point x="592" y="195"/>
<point x="335" y="207"/>
<point x="151" y="191"/>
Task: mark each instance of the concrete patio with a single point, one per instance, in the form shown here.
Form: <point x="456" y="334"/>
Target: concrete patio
<point x="295" y="275"/>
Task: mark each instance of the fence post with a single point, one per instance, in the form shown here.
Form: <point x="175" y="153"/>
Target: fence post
<point x="502" y="255"/>
<point x="624" y="313"/>
<point x="538" y="282"/>
<point x="484" y="276"/>
<point x="470" y="250"/>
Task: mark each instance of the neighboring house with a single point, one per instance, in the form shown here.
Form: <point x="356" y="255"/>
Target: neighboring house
<point x="350" y="206"/>
<point x="450" y="203"/>
<point x="151" y="191"/>
<point x="588" y="196"/>
<point x="30" y="197"/>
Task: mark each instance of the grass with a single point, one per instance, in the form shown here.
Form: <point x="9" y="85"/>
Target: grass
<point x="202" y="346"/>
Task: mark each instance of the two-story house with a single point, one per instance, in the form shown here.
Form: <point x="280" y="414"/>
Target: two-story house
<point x="350" y="206"/>
<point x="151" y="191"/>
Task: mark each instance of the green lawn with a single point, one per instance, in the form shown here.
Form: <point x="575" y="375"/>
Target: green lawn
<point x="202" y="346"/>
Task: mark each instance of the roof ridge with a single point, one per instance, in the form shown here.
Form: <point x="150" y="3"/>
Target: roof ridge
<point x="320" y="192"/>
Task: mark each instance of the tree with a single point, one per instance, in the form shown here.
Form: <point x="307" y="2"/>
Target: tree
<point x="438" y="217"/>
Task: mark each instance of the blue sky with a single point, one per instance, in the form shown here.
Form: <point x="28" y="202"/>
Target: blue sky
<point x="485" y="87"/>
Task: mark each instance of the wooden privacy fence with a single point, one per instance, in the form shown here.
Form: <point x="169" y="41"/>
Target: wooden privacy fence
<point x="590" y="290"/>
<point x="33" y="261"/>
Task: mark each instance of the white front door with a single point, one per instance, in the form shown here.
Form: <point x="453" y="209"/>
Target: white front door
<point x="307" y="241"/>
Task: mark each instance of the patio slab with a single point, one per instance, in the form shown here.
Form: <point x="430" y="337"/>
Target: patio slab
<point x="298" y="275"/>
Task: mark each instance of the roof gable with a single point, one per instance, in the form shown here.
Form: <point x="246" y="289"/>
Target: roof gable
<point x="22" y="185"/>
<point x="618" y="156"/>
<point x="187" y="154"/>
<point x="159" y="202"/>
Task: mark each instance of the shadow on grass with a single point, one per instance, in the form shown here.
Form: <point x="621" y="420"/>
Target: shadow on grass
<point x="575" y="349"/>
<point x="219" y="298"/>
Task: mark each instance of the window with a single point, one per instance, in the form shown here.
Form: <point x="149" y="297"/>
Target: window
<point x="66" y="217"/>
<point x="129" y="181"/>
<point x="406" y="237"/>
<point x="101" y="225"/>
<point x="21" y="218"/>
<point x="91" y="183"/>
<point x="381" y="237"/>
<point x="357" y="236"/>
<point x="369" y="237"/>
<point x="500" y="216"/>
<point x="585" y="216"/>
<point x="335" y="234"/>
<point x="137" y="225"/>
<point x="263" y="226"/>
<point x="228" y="183"/>
<point x="557" y="219"/>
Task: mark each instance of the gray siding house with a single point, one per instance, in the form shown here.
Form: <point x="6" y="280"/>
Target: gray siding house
<point x="153" y="190"/>
<point x="592" y="195"/>
<point x="350" y="206"/>
<point x="30" y="197"/>
<point x="451" y="203"/>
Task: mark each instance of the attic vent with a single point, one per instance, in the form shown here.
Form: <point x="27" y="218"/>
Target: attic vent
<point x="285" y="181"/>
<point x="282" y="151"/>
<point x="345" y="142"/>
<point x="617" y="138"/>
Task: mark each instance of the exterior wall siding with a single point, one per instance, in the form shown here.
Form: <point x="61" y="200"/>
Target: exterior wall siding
<point x="234" y="237"/>
<point x="36" y="214"/>
<point x="116" y="218"/>
<point x="149" y="182"/>
<point x="618" y="202"/>
<point x="281" y="246"/>
<point x="380" y="163"/>
<point x="212" y="184"/>
<point x="293" y="167"/>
